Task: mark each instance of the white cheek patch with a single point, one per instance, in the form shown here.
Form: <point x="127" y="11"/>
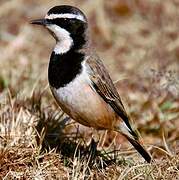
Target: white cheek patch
<point x="64" y="40"/>
<point x="66" y="15"/>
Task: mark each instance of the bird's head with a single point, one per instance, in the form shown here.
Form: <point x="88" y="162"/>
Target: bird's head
<point x="67" y="24"/>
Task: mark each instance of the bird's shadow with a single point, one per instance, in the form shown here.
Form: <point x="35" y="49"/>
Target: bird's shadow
<point x="51" y="135"/>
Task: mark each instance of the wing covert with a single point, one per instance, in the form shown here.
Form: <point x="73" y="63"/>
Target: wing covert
<point x="103" y="84"/>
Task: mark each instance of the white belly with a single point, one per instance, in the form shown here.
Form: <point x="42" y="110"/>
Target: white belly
<point x="83" y="104"/>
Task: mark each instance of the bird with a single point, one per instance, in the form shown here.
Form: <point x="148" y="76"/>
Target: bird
<point x="78" y="79"/>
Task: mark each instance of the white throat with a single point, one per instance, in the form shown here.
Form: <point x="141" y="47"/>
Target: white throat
<point x="64" y="40"/>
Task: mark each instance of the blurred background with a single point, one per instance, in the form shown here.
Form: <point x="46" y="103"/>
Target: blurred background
<point x="137" y="40"/>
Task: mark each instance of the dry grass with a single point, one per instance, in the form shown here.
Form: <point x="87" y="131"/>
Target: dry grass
<point x="139" y="43"/>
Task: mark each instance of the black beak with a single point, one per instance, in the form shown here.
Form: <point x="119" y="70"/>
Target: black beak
<point x="42" y="22"/>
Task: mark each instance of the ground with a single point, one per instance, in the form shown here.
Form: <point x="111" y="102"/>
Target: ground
<point x="139" y="43"/>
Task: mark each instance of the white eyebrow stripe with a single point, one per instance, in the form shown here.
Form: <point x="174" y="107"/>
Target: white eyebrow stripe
<point x="66" y="15"/>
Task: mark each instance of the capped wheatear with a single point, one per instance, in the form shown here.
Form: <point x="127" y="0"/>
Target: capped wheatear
<point x="78" y="79"/>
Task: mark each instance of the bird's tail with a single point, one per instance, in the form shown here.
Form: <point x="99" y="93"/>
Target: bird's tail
<point x="133" y="138"/>
<point x="139" y="147"/>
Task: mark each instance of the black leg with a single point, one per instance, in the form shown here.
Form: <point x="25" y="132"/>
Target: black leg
<point x="92" y="151"/>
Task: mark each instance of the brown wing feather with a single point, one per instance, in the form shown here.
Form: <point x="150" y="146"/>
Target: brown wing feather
<point x="106" y="89"/>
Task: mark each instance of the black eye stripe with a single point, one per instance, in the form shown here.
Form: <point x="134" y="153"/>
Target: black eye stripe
<point x="70" y="24"/>
<point x="62" y="22"/>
